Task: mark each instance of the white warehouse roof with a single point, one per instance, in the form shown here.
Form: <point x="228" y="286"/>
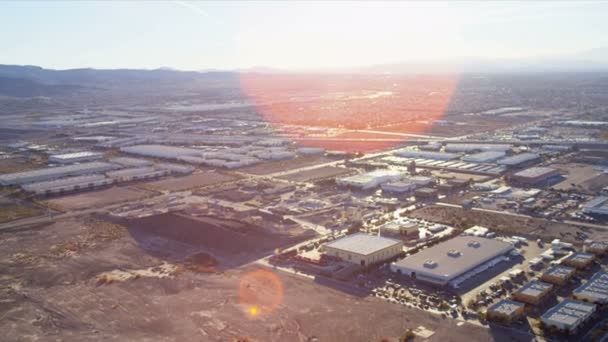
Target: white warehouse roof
<point x="362" y="243"/>
<point x="54" y="172"/>
<point x="161" y="151"/>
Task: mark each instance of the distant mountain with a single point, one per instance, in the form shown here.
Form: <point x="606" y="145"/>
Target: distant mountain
<point x="21" y="87"/>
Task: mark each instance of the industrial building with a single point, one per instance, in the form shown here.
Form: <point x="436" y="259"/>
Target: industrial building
<point x="506" y="311"/>
<point x="363" y="249"/>
<point x="407" y="184"/>
<point x="40" y="175"/>
<point x="426" y="193"/>
<point x="449" y="260"/>
<point x="137" y="173"/>
<point x="597" y="206"/>
<point x="76" y="157"/>
<point x="595" y="290"/>
<point x="161" y="151"/>
<point x="427" y="155"/>
<point x="579" y="260"/>
<point x="533" y="292"/>
<point x="467" y="148"/>
<point x="130" y="162"/>
<point x="310" y="151"/>
<point x="398" y="230"/>
<point x="535" y="175"/>
<point x="595" y="247"/>
<point x="558" y="274"/>
<point x="484" y="157"/>
<point x="568" y="315"/>
<point x="370" y="180"/>
<point x="519" y="160"/>
<point x="175" y="169"/>
<point x="65" y="185"/>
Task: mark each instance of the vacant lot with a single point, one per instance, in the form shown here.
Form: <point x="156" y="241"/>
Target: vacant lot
<point x="95" y="199"/>
<point x="13" y="212"/>
<point x="284" y="165"/>
<point x="509" y="224"/>
<point x="233" y="243"/>
<point x="193" y="181"/>
<point x="50" y="295"/>
<point x="316" y="174"/>
<point x="581" y="177"/>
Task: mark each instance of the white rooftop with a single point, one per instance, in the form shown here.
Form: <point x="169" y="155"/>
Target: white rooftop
<point x="362" y="243"/>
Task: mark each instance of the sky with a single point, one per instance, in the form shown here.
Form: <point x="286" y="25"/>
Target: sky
<point x="193" y="35"/>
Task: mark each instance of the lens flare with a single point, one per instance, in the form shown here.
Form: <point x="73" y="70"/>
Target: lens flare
<point x="354" y="113"/>
<point x="260" y="292"/>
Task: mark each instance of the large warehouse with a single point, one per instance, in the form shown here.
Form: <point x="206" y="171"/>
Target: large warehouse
<point x="427" y="155"/>
<point x="51" y="173"/>
<point x="484" y="157"/>
<point x="534" y="175"/>
<point x="364" y="249"/>
<point x="448" y="260"/>
<point x="370" y="180"/>
<point x="75" y="157"/>
<point x="519" y="159"/>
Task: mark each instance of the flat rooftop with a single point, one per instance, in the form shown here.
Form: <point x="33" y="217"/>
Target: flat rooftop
<point x="451" y="258"/>
<point x="580" y="257"/>
<point x="560" y="271"/>
<point x="535" y="288"/>
<point x="506" y="306"/>
<point x="569" y="312"/>
<point x="596" y="287"/>
<point x="362" y="243"/>
<point x="535" y="172"/>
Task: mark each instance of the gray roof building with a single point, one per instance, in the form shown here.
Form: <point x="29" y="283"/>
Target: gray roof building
<point x="448" y="260"/>
<point x="595" y="290"/>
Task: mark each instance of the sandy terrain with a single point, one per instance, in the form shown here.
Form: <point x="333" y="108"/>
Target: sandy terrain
<point x="92" y="199"/>
<point x="51" y="292"/>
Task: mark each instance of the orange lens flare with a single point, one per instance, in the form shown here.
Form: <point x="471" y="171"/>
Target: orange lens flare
<point x="260" y="292"/>
<point x="354" y="113"/>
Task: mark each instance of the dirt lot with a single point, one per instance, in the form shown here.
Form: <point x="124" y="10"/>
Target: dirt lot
<point x="233" y="243"/>
<point x="316" y="174"/>
<point x="284" y="165"/>
<point x="193" y="181"/>
<point x="97" y="198"/>
<point x="107" y="288"/>
<point x="581" y="177"/>
<point x="13" y="212"/>
<point x="510" y="224"/>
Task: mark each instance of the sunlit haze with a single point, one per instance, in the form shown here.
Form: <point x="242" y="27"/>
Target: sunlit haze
<point x="195" y="35"/>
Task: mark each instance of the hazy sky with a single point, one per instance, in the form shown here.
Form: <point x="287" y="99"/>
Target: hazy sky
<point x="198" y="35"/>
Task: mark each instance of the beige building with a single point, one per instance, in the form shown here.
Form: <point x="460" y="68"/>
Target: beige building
<point x="364" y="249"/>
<point x="533" y="292"/>
<point x="506" y="311"/>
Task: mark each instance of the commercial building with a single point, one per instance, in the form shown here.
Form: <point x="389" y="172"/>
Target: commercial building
<point x="595" y="290"/>
<point x="506" y="311"/>
<point x="568" y="315"/>
<point x="427" y="155"/>
<point x="76" y="157"/>
<point x="370" y="180"/>
<point x="65" y="185"/>
<point x="533" y="292"/>
<point x="519" y="160"/>
<point x="484" y="157"/>
<point x="51" y="173"/>
<point x="450" y="259"/>
<point x="426" y="193"/>
<point x="579" y="260"/>
<point x="597" y="206"/>
<point x="558" y="274"/>
<point x="534" y="175"/>
<point x="363" y="249"/>
<point x="137" y="173"/>
<point x="310" y="151"/>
